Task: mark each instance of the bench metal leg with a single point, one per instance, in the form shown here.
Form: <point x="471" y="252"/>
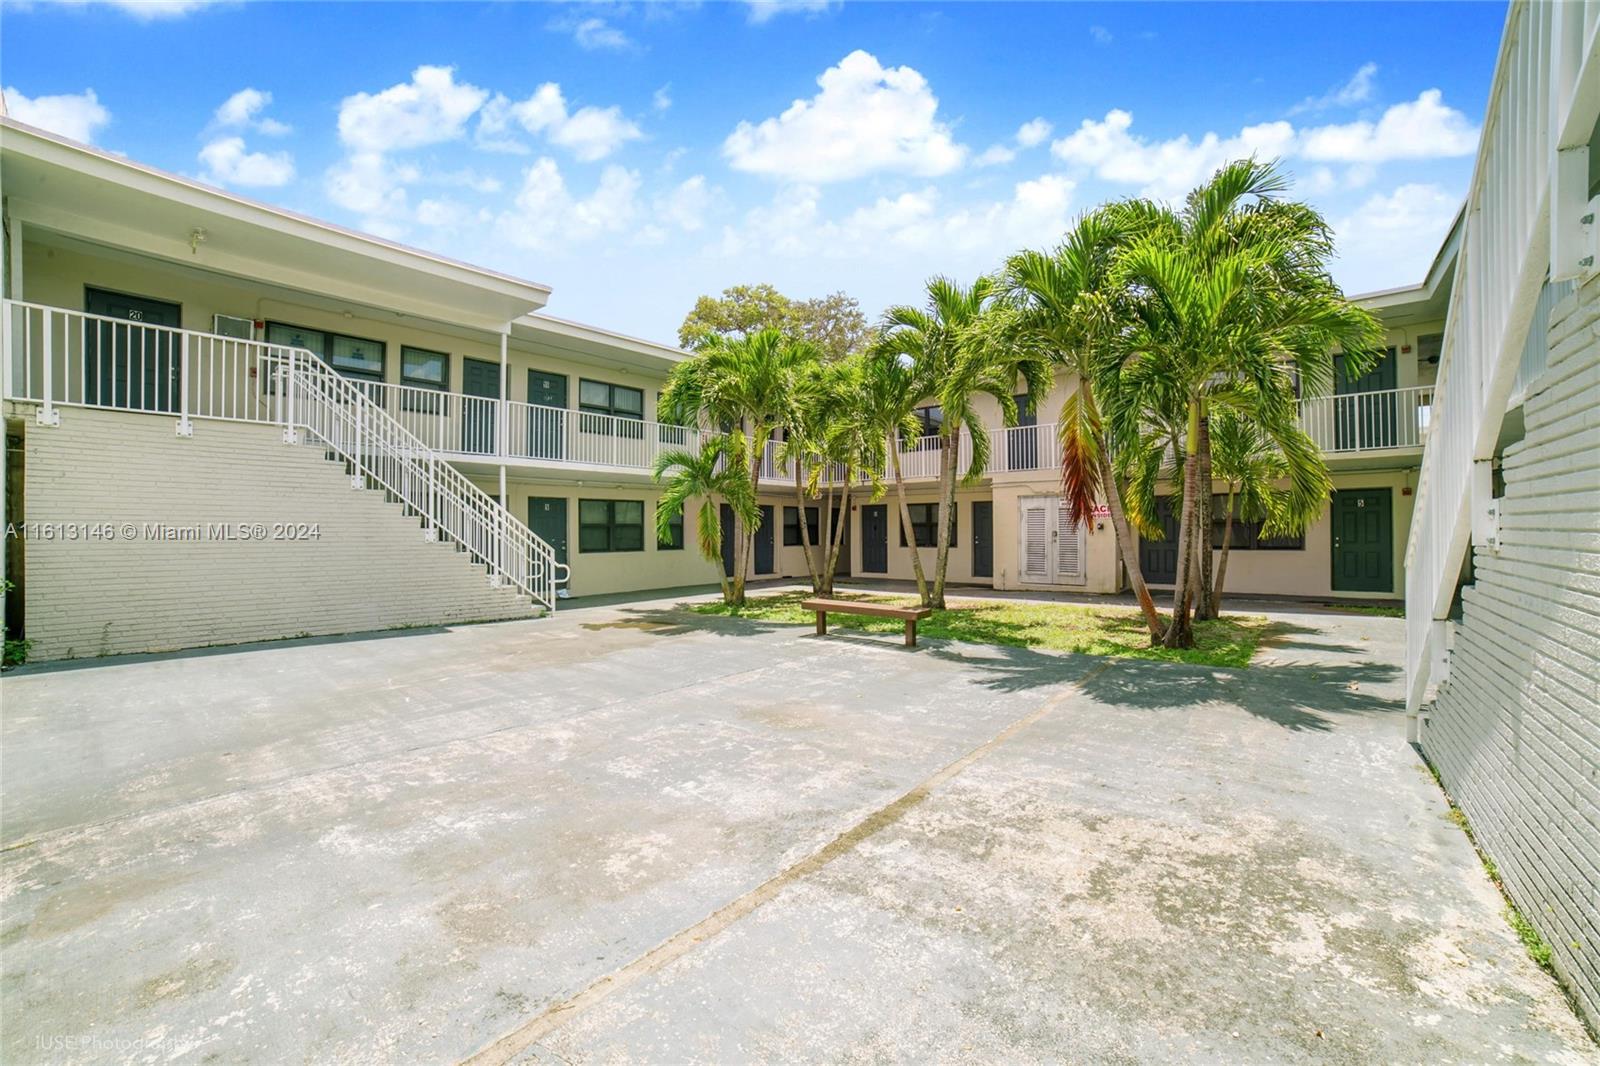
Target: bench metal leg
<point x="822" y="623"/>
<point x="911" y="632"/>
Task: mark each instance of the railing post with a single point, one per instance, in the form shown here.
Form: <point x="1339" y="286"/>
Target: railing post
<point x="8" y="351"/>
<point x="185" y="427"/>
<point x="287" y="384"/>
<point x="48" y="415"/>
<point x="361" y="415"/>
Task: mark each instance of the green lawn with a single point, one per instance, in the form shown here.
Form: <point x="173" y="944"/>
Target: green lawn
<point x="1381" y="610"/>
<point x="1091" y="630"/>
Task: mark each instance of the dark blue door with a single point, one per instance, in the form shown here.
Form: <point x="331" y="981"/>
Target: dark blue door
<point x="875" y="539"/>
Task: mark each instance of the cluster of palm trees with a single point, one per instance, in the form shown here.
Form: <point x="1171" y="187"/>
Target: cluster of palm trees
<point x="1191" y="332"/>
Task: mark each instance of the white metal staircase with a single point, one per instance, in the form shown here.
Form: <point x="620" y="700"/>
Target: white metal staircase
<point x="55" y="357"/>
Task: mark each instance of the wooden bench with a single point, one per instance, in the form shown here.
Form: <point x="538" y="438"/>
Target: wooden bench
<point x="911" y="615"/>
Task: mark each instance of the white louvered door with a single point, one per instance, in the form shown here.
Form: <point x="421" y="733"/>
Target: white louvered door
<point x="1035" y="539"/>
<point x="1052" y="545"/>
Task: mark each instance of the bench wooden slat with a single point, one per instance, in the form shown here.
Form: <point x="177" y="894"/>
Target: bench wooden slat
<point x="875" y="610"/>
<point x="910" y="615"/>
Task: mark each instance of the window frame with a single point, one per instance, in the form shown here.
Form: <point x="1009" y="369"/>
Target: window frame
<point x="432" y="405"/>
<point x="610" y="407"/>
<point x="1247" y="532"/>
<point x="931" y="523"/>
<point x="328" y="336"/>
<point x="611" y="525"/>
<point x="791" y="524"/>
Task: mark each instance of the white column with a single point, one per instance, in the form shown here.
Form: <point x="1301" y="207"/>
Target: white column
<point x="16" y="259"/>
<point x="500" y="414"/>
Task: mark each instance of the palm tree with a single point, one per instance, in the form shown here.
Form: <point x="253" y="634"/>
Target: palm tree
<point x="707" y="476"/>
<point x="1252" y="466"/>
<point x="851" y="444"/>
<point x="1069" y="309"/>
<point x="946" y="342"/>
<point x="741" y="384"/>
<point x="891" y="392"/>
<point x="1231" y="307"/>
<point x="805" y="421"/>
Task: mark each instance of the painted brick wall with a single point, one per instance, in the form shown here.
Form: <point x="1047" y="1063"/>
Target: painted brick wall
<point x="370" y="568"/>
<point x="1515" y="730"/>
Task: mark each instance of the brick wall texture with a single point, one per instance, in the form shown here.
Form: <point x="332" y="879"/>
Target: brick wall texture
<point x="369" y="569"/>
<point x="1515" y="729"/>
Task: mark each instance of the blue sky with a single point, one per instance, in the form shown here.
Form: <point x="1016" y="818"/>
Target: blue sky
<point x="635" y="156"/>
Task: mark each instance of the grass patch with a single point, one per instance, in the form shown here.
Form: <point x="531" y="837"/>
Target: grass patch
<point x="1378" y="610"/>
<point x="1089" y="630"/>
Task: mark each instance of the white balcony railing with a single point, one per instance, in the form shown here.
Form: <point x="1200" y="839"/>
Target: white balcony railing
<point x="1368" y="421"/>
<point x="56" y="358"/>
<point x="477" y="426"/>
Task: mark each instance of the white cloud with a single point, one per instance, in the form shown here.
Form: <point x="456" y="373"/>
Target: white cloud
<point x="994" y="155"/>
<point x="1164" y="168"/>
<point x="1033" y="132"/>
<point x="685" y="206"/>
<point x="147" y="10"/>
<point x="1391" y="238"/>
<point x="444" y="213"/>
<point x="429" y="109"/>
<point x="367" y="183"/>
<point x="1357" y="90"/>
<point x="765" y="10"/>
<point x="594" y="132"/>
<point x="866" y="119"/>
<point x="75" y="116"/>
<point x="227" y="162"/>
<point x="596" y="34"/>
<point x="1101" y="35"/>
<point x="243" y="110"/>
<point x="1425" y="128"/>
<point x="590" y="133"/>
<point x="546" y="214"/>
<point x="661" y="99"/>
<point x="793" y="226"/>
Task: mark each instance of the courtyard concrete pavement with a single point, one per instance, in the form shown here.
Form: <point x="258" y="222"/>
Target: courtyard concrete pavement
<point x="631" y="833"/>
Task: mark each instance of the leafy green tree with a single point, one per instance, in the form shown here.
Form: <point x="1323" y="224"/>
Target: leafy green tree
<point x="1251" y="467"/>
<point x="741" y="386"/>
<point x="707" y="476"/>
<point x="1231" y="305"/>
<point x="889" y="396"/>
<point x="833" y="323"/>
<point x="947" y="344"/>
<point x="1069" y="309"/>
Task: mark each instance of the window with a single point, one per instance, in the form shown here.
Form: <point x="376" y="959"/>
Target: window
<point x="674" y="541"/>
<point x="354" y="357"/>
<point x="611" y="525"/>
<point x="1429" y="345"/>
<point x="925" y="526"/>
<point x="424" y="369"/>
<point x="1246" y="533"/>
<point x="791" y="526"/>
<point x="598" y="398"/>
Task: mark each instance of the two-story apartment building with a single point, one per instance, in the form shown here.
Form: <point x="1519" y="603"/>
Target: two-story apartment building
<point x="1012" y="532"/>
<point x="148" y="327"/>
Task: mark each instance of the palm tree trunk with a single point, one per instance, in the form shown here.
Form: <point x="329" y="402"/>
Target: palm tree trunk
<point x="905" y="518"/>
<point x="1202" y="601"/>
<point x="837" y="537"/>
<point x="805" y="530"/>
<point x="1124" y="534"/>
<point x="1180" y="634"/>
<point x="947" y="505"/>
<point x="1222" y="560"/>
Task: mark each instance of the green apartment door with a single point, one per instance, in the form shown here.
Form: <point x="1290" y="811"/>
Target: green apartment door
<point x="547" y="517"/>
<point x="1365" y="409"/>
<point x="547" y="428"/>
<point x="126" y="363"/>
<point x="1363" y="540"/>
<point x="480" y="379"/>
